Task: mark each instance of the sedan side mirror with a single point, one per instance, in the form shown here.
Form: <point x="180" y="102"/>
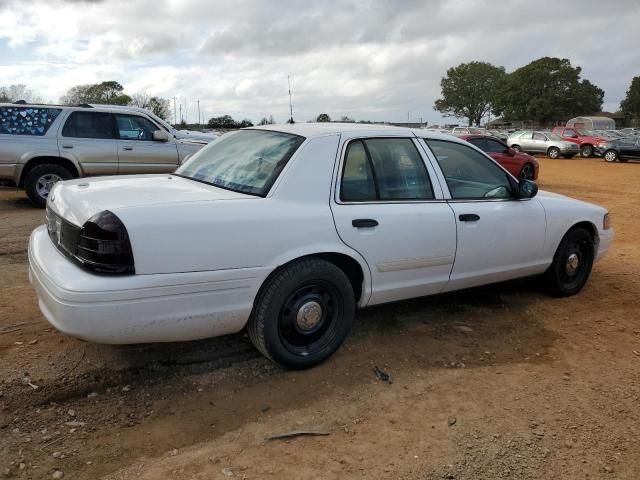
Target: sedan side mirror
<point x="527" y="189"/>
<point x="160" y="136"/>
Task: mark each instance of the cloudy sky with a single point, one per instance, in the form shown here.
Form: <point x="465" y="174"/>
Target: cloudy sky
<point x="378" y="60"/>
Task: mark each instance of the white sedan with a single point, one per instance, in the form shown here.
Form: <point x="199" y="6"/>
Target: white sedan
<point x="286" y="230"/>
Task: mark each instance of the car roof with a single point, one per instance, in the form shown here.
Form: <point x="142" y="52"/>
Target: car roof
<point x="310" y="130"/>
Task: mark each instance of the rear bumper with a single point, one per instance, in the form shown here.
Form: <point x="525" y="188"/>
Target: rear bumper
<point x="138" y="308"/>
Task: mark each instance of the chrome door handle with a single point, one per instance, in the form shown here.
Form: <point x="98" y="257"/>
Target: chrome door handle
<point x="127" y="148"/>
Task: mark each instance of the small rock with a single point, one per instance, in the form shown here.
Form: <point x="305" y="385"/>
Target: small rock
<point x="227" y="472"/>
<point x="75" y="423"/>
<point x="71" y="413"/>
<point x="538" y="433"/>
<point x="33" y="342"/>
<point x="174" y="452"/>
<point x="126" y="388"/>
<point x="56" y="454"/>
<point x="566" y="378"/>
<point x="464" y="328"/>
<point x="608" y="469"/>
<point x="22" y="466"/>
<point x="451" y="421"/>
<point x="57" y="475"/>
<point x="568" y="444"/>
<point x="92" y="395"/>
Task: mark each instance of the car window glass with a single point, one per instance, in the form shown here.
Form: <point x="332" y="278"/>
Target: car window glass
<point x="27" y="120"/>
<point x="88" y="125"/>
<point x="469" y="174"/>
<point x="357" y="179"/>
<point x="479" y="142"/>
<point x="525" y="136"/>
<point x="539" y="136"/>
<point x="494" y="146"/>
<point x="400" y="172"/>
<point x="133" y="127"/>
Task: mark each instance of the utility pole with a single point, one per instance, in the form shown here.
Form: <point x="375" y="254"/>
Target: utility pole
<point x="181" y="112"/>
<point x="186" y="110"/>
<point x="175" y="121"/>
<point x="290" y="104"/>
<point x="198" y="112"/>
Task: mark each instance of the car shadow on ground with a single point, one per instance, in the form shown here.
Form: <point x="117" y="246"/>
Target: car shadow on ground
<point x="486" y="326"/>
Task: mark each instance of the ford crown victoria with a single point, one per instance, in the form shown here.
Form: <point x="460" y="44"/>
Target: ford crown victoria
<point x="287" y="230"/>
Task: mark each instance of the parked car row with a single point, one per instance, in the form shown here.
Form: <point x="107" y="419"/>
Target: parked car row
<point x="43" y="144"/>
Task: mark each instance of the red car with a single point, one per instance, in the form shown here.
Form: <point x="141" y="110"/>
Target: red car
<point x="519" y="164"/>
<point x="587" y="142"/>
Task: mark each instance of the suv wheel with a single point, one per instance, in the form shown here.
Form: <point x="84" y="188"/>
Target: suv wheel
<point x="553" y="152"/>
<point x="516" y="148"/>
<point x="610" y="155"/>
<point x="586" y="151"/>
<point x="41" y="178"/>
<point x="302" y="314"/>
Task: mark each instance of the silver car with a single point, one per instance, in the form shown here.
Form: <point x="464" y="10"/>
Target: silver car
<point x="43" y="144"/>
<point x="546" y="143"/>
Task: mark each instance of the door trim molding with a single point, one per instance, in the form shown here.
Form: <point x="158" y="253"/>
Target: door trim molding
<point x="413" y="263"/>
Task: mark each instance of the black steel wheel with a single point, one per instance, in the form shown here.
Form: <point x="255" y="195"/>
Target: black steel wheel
<point x="572" y="263"/>
<point x="303" y="313"/>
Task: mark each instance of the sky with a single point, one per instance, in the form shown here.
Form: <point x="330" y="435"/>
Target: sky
<point x="369" y="60"/>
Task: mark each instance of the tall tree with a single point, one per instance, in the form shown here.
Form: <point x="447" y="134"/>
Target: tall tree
<point x="630" y="106"/>
<point x="469" y="91"/>
<point x="12" y="93"/>
<point x="156" y="105"/>
<point x="548" y="89"/>
<point x="323" y="117"/>
<point x="109" y="92"/>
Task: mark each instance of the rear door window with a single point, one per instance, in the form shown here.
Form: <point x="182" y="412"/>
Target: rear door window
<point x="384" y="169"/>
<point x="33" y="121"/>
<point x="89" y="125"/>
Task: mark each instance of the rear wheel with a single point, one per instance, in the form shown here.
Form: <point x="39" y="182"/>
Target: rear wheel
<point x="586" y="151"/>
<point x="553" y="152"/>
<point x="40" y="180"/>
<point x="572" y="263"/>
<point x="516" y="148"/>
<point x="610" y="155"/>
<point x="527" y="172"/>
<point x="303" y="313"/>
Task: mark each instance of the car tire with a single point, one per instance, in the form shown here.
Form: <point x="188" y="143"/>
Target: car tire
<point x="527" y="172"/>
<point x="610" y="156"/>
<point x="553" y="152"/>
<point x="572" y="263"/>
<point x="568" y="156"/>
<point x="516" y="148"/>
<point x="586" y="151"/>
<point x="282" y="331"/>
<point x="40" y="179"/>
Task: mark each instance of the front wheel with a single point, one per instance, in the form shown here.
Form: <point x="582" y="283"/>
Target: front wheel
<point x="610" y="155"/>
<point x="527" y="172"/>
<point x="553" y="152"/>
<point x="572" y="263"/>
<point x="517" y="148"/>
<point x="586" y="151"/>
<point x="40" y="180"/>
<point x="303" y="313"/>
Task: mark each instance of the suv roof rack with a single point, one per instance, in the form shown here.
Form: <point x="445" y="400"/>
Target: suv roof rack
<point x="20" y="102"/>
<point x="85" y="105"/>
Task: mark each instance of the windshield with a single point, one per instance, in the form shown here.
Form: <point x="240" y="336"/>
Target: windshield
<point x="247" y="161"/>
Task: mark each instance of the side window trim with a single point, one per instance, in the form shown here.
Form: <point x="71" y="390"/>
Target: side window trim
<point x="425" y="161"/>
<point x="442" y="179"/>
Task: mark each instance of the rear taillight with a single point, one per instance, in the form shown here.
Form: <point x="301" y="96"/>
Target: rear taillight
<point x="103" y="245"/>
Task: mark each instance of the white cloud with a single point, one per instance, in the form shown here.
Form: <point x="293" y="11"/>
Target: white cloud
<point x="363" y="58"/>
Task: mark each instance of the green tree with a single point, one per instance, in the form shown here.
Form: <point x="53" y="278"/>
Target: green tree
<point x="109" y="92"/>
<point x="227" y="122"/>
<point x="548" y="89"/>
<point x="630" y="106"/>
<point x="267" y="121"/>
<point x="156" y="105"/>
<point x="469" y="91"/>
<point x="347" y="119"/>
<point x="323" y="117"/>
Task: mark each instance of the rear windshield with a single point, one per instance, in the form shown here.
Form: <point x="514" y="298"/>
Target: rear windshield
<point x="27" y="120"/>
<point x="247" y="161"/>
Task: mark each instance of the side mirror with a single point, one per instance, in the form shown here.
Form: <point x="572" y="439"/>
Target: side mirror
<point x="527" y="189"/>
<point x="160" y="136"/>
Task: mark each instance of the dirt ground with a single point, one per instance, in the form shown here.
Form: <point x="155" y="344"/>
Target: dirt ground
<point x="501" y="382"/>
